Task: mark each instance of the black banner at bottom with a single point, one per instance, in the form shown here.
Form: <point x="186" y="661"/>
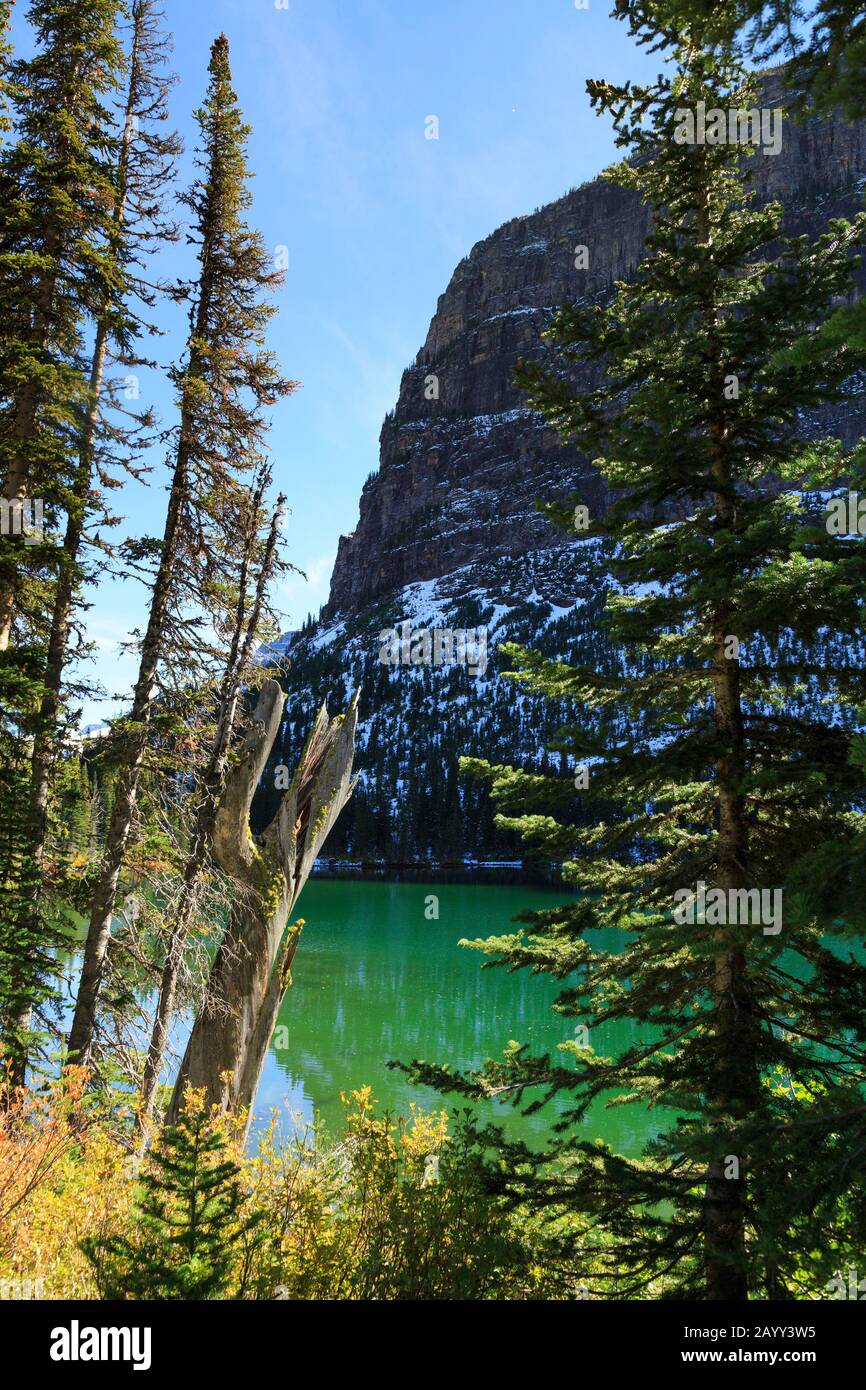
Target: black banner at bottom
<point x="73" y="1340"/>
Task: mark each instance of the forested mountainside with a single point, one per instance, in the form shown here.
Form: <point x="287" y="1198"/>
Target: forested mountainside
<point x="418" y="720"/>
<point x="449" y="535"/>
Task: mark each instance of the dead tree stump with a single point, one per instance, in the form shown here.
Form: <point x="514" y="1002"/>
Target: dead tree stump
<point x="251" y="970"/>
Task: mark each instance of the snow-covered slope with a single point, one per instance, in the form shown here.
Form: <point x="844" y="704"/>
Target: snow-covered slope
<point x="418" y="719"/>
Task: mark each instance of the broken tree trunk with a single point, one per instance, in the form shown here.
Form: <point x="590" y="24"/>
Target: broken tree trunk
<point x="251" y="970"/>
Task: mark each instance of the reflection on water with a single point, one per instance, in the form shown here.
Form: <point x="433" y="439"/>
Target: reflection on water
<point x="374" y="980"/>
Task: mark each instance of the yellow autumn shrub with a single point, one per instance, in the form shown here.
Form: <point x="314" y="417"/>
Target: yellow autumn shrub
<point x="391" y="1208"/>
<point x="63" y="1175"/>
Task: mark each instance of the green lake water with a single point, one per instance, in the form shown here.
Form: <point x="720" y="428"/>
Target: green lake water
<point x="374" y="979"/>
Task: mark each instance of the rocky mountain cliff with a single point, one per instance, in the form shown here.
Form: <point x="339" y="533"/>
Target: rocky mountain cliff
<point x="448" y="534"/>
<point x="458" y="476"/>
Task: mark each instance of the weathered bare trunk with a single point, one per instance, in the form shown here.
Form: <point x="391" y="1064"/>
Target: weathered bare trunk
<point x="250" y="973"/>
<point x="281" y="978"/>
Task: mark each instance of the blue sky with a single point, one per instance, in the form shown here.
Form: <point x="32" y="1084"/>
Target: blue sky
<point x="375" y="216"/>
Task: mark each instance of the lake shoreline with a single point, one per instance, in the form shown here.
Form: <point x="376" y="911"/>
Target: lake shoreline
<point x="505" y="872"/>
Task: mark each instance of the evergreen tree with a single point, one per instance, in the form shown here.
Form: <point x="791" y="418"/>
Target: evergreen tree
<point x="55" y="207"/>
<point x="144" y="165"/>
<point x="720" y="736"/>
<point x="225" y="382"/>
<point x="821" y="42"/>
<point x="73" y="806"/>
<point x="143" y="161"/>
<point x="823" y="46"/>
<point x="190" y="1216"/>
<point x="56" y="197"/>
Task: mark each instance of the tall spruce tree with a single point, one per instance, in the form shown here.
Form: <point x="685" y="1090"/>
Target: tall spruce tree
<point x="141" y="181"/>
<point x="720" y="734"/>
<point x="56" y="199"/>
<point x="101" y="448"/>
<point x="224" y="385"/>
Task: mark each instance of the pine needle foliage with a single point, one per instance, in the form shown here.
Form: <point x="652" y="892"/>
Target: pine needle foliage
<point x="722" y="735"/>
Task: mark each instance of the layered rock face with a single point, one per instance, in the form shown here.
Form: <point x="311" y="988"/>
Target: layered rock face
<point x="459" y="474"/>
